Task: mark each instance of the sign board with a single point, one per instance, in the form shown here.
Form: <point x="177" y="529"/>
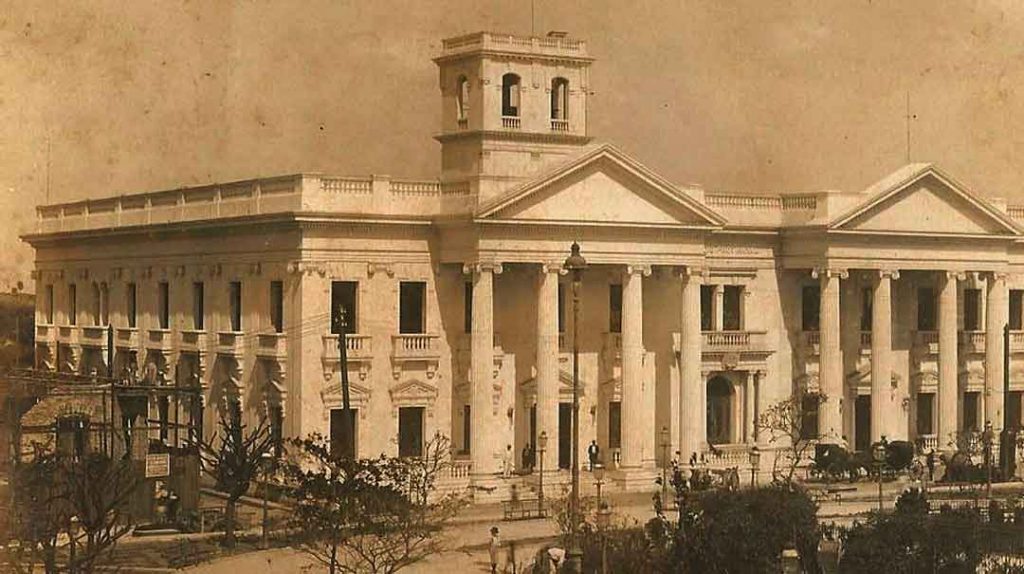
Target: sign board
<point x="158" y="465"/>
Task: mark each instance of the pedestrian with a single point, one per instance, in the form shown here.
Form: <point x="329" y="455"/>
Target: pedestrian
<point x="593" y="452"/>
<point x="493" y="549"/>
<point x="506" y="462"/>
<point x="930" y="462"/>
<point x="527" y="465"/>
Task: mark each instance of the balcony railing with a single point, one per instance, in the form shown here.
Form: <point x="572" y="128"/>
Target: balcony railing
<point x="45" y="333"/>
<point x="357" y="348"/>
<point x="126" y="337"/>
<point x="1017" y="340"/>
<point x="559" y="125"/>
<point x="728" y="456"/>
<point x="231" y="343"/>
<point x="458" y="469"/>
<point x="973" y="341"/>
<point x="733" y="340"/>
<point x="927" y="340"/>
<point x="510" y="122"/>
<point x="159" y="339"/>
<point x="415" y="347"/>
<point x="67" y="334"/>
<point x="272" y="345"/>
<point x="929" y="441"/>
<point x="865" y="340"/>
<point x="193" y="341"/>
<point x="93" y="336"/>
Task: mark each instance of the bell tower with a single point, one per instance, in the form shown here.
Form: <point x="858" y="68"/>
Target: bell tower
<point x="510" y="107"/>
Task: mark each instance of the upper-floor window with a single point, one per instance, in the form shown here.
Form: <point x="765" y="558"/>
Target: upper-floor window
<point x="235" y="305"/>
<point x="130" y="304"/>
<point x="343" y="303"/>
<point x="615" y="308"/>
<point x="163" y="302"/>
<point x="198" y="312"/>
<point x="462" y="98"/>
<point x="277" y="306"/>
<point x="467" y="307"/>
<point x="972" y="306"/>
<point x="104" y="304"/>
<point x="72" y="304"/>
<point x="707" y="307"/>
<point x="412" y="307"/>
<point x="810" y="317"/>
<point x="96" y="304"/>
<point x="510" y="95"/>
<point x="49" y="304"/>
<point x="1016" y="309"/>
<point x="926" y="309"/>
<point x="866" y="308"/>
<point x="732" y="308"/>
<point x="559" y="99"/>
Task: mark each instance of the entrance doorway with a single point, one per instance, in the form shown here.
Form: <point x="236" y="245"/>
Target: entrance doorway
<point x="564" y="435"/>
<point x="862" y="423"/>
<point x="343" y="433"/>
<point x="410" y="431"/>
<point x="719" y="411"/>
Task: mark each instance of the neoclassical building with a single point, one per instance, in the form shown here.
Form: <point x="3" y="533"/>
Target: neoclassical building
<point x="698" y="311"/>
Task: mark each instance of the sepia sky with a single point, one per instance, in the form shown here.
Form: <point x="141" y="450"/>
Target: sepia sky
<point x="757" y="95"/>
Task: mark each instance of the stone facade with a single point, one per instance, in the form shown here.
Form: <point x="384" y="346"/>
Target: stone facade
<point x="699" y="309"/>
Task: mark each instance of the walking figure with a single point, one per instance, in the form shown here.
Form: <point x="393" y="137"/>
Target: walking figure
<point x="493" y="549"/>
<point x="593" y="452"/>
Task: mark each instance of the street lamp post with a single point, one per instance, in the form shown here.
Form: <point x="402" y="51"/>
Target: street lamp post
<point x="598" y="482"/>
<point x="987" y="440"/>
<point x="665" y="444"/>
<point x="542" y="444"/>
<point x="755" y="463"/>
<point x="72" y="535"/>
<point x="878" y="453"/>
<point x="603" y="517"/>
<point x="575" y="264"/>
<point x="266" y="460"/>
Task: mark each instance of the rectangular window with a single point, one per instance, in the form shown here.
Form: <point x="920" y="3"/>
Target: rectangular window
<point x="1013" y="410"/>
<point x="344" y="431"/>
<point x="197" y="306"/>
<point x="971" y="403"/>
<point x="467" y="308"/>
<point x="72" y="304"/>
<point x="811" y="308"/>
<point x="809" y="417"/>
<point x="926" y="309"/>
<point x="925" y="409"/>
<point x="561" y="307"/>
<point x="866" y="309"/>
<point x="614" y="424"/>
<point x="412" y="307"/>
<point x="707" y="307"/>
<point x="130" y="303"/>
<point x="164" y="305"/>
<point x="972" y="306"/>
<point x="343" y="298"/>
<point x="49" y="304"/>
<point x="235" y="305"/>
<point x="277" y="306"/>
<point x="410" y="431"/>
<point x="615" y="308"/>
<point x="1016" y="309"/>
<point x="732" y="308"/>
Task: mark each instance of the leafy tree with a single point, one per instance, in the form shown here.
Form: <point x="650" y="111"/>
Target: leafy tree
<point x="784" y="423"/>
<point x="909" y="542"/>
<point x="370" y="515"/>
<point x="233" y="457"/>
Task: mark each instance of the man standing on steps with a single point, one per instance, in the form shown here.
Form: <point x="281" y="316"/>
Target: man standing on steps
<point x="593" y="452"/>
<point x="493" y="548"/>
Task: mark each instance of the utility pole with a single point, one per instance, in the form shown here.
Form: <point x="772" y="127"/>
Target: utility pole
<point x="346" y="407"/>
<point x="1008" y="438"/>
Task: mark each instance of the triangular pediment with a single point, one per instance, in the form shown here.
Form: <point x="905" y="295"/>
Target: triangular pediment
<point x="602" y="186"/>
<point x="529" y="386"/>
<point x="413" y="390"/>
<point x="920" y="199"/>
<point x="354" y="390"/>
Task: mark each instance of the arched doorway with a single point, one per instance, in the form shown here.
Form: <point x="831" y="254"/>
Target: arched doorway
<point x="719" y="410"/>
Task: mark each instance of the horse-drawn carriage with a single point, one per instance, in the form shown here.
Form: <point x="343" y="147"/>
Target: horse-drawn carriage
<point x="832" y="462"/>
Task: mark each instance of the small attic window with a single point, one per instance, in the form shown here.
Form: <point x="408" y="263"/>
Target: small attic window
<point x="510" y="95"/>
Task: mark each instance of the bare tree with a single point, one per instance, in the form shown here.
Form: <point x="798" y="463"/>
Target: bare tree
<point x="784" y="423"/>
<point x="39" y="512"/>
<point x="371" y="515"/>
<point x="233" y="457"/>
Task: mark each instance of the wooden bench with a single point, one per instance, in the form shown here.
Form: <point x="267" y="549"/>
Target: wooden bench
<point x="522" y="509"/>
<point x="836" y="492"/>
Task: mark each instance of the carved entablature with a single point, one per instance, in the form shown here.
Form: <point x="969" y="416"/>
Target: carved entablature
<point x="926" y="382"/>
<point x="413" y="393"/>
<point x="973" y="379"/>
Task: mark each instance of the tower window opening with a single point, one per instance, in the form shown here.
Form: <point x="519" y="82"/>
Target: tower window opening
<point x="510" y="95"/>
<point x="560" y="99"/>
<point x="462" y="98"/>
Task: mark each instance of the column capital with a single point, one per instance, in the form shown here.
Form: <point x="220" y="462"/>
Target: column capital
<point x="996" y="276"/>
<point x="553" y="267"/>
<point x="829" y="272"/>
<point x="481" y="267"/>
<point x="691" y="271"/>
<point x="638" y="269"/>
<point x="955" y="275"/>
<point x="889" y="274"/>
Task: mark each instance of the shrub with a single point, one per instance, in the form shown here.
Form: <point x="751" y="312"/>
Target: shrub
<point x="909" y="542"/>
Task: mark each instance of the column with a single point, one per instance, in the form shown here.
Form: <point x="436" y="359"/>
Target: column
<point x="484" y="451"/>
<point x="884" y="416"/>
<point x="692" y="432"/>
<point x="718" y="305"/>
<point x="636" y="423"/>
<point x="547" y="361"/>
<point x="758" y="383"/>
<point x="997" y="304"/>
<point x="831" y="375"/>
<point x="748" y="410"/>
<point x="949" y="392"/>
